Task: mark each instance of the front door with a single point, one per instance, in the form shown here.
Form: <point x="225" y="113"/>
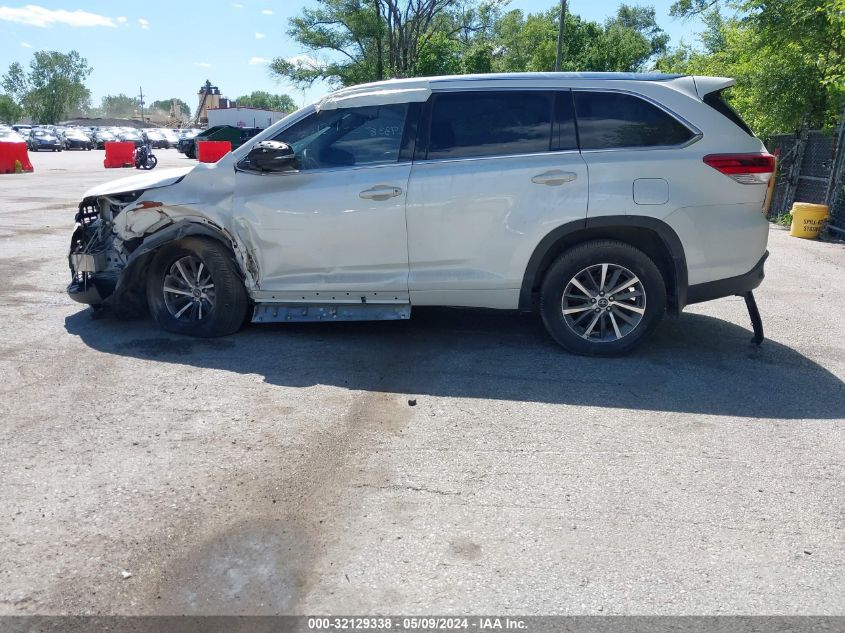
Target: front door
<point x="336" y="223"/>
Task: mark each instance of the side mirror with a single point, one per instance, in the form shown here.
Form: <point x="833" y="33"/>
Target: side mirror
<point x="270" y="156"/>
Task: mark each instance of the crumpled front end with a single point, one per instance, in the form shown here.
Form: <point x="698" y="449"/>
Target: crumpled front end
<point x="120" y="226"/>
<point x="97" y="257"/>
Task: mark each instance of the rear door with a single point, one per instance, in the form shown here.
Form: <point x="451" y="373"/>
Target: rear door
<point x="493" y="173"/>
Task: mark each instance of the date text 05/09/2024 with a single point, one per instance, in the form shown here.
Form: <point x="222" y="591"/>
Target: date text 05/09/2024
<point x="362" y="623"/>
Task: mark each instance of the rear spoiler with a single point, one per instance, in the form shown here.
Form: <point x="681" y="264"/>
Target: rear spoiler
<point x="706" y="85"/>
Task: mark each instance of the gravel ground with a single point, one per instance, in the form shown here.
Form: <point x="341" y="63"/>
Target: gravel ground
<point x="283" y="470"/>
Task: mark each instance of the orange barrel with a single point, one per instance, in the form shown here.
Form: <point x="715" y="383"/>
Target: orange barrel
<point x="119" y="154"/>
<point x="13" y="154"/>
<point x="212" y="151"/>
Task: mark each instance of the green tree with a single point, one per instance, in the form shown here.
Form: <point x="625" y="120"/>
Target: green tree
<point x="368" y="40"/>
<point x="164" y="106"/>
<point x="787" y="56"/>
<point x="625" y="42"/>
<point x="118" y="106"/>
<point x="267" y="101"/>
<point x="54" y="85"/>
<point x="10" y="112"/>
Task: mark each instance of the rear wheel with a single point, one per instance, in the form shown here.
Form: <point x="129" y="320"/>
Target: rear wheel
<point x="602" y="298"/>
<point x="193" y="288"/>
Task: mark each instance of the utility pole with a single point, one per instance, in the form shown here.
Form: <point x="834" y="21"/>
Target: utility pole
<point x="141" y="102"/>
<point x="560" y="31"/>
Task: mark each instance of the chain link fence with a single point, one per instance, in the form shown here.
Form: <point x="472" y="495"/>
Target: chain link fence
<point x="811" y="168"/>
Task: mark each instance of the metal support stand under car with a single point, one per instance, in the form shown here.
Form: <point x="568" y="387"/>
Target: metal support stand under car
<point x="754" y="313"/>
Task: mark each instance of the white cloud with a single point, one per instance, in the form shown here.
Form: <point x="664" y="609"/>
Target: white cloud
<point x="305" y="61"/>
<point x="237" y="5"/>
<point x="267" y="11"/>
<point x="260" y="36"/>
<point x="26" y="45"/>
<point x="121" y="19"/>
<point x="33" y="15"/>
<point x="145" y="24"/>
<point x="203" y="64"/>
<point x="255" y="61"/>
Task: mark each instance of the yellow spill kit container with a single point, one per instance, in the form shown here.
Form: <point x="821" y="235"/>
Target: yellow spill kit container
<point x="808" y="219"/>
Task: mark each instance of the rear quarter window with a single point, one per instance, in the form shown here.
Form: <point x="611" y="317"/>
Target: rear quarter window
<point x="716" y="100"/>
<point x="609" y="120"/>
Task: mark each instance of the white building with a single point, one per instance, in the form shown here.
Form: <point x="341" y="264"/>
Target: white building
<point x="243" y="117"/>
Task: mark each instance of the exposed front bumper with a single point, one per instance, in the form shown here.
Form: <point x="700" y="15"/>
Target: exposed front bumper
<point x="85" y="292"/>
<point x="728" y="287"/>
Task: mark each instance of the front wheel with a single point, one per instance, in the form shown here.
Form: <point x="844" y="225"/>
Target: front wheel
<point x="151" y="162"/>
<point x="602" y="298"/>
<point x="193" y="288"/>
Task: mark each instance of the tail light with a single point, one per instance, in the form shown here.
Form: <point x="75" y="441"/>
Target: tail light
<point x="747" y="169"/>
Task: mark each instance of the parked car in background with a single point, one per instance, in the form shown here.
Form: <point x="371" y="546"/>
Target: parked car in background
<point x="77" y="139"/>
<point x="101" y="137"/>
<point x="172" y="137"/>
<point x="132" y="136"/>
<point x="237" y="136"/>
<point x="184" y="136"/>
<point x="23" y="130"/>
<point x="9" y="135"/>
<point x="156" y="139"/>
<point x="42" y="139"/>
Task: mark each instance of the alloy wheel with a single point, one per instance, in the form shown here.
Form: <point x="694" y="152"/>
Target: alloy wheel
<point x="603" y="303"/>
<point x="189" y="289"/>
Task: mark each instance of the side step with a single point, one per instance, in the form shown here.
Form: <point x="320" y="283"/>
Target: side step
<point x="316" y="312"/>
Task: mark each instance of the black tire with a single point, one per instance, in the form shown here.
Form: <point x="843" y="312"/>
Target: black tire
<point x="615" y="336"/>
<point x="230" y="300"/>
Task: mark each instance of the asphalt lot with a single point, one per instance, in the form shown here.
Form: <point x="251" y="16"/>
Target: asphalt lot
<point x="282" y="469"/>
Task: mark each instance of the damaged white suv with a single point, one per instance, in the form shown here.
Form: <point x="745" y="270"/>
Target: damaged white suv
<point x="600" y="200"/>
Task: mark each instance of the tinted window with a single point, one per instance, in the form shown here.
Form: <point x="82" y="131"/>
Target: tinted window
<point x="466" y="124"/>
<point x="716" y="101"/>
<point x="348" y="136"/>
<point x="612" y="119"/>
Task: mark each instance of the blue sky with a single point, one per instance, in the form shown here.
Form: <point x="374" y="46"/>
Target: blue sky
<point x="171" y="48"/>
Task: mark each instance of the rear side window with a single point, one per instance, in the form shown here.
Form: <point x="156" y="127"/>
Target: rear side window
<point x="490" y="123"/>
<point x="617" y="120"/>
<point x="716" y="101"/>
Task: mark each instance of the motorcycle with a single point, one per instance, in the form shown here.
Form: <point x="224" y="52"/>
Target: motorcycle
<point x="144" y="157"/>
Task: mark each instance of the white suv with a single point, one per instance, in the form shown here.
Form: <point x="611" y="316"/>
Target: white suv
<point x="600" y="200"/>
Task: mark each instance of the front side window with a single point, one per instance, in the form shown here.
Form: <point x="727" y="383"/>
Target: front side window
<point x="489" y="123"/>
<point x="348" y="137"/>
<point x="617" y="120"/>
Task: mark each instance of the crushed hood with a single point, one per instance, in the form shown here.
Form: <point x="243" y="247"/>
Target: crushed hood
<point x="149" y="180"/>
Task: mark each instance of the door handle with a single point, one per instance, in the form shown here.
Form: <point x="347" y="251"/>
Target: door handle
<point x="554" y="177"/>
<point x="381" y="192"/>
